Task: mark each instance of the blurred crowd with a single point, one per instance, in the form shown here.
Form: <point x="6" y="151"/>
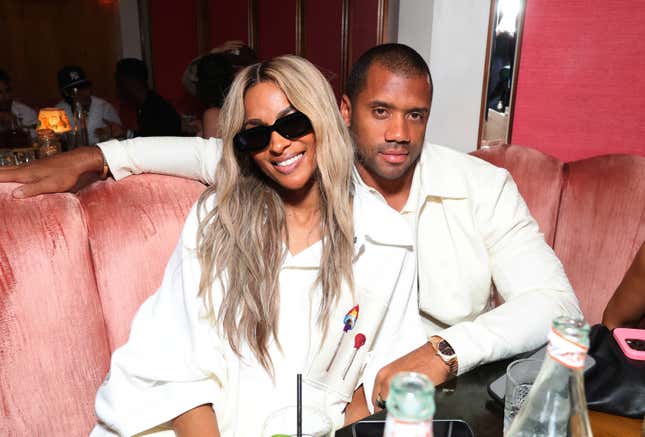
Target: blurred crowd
<point x="207" y="77"/>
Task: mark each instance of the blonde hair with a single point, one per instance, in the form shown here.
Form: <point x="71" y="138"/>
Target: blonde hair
<point x="240" y="241"/>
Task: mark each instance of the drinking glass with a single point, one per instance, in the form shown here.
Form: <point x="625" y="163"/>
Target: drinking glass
<point x="282" y="423"/>
<point x="6" y="158"/>
<point x="520" y="375"/>
<point x="23" y="156"/>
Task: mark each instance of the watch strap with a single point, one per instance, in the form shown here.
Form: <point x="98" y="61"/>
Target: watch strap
<point x="441" y="347"/>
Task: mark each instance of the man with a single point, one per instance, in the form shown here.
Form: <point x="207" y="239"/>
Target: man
<point x="472" y="227"/>
<point x="103" y="122"/>
<point x="155" y="116"/>
<point x="13" y="109"/>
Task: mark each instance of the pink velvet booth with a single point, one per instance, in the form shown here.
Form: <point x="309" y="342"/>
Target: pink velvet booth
<point x="592" y="212"/>
<point x="74" y="269"/>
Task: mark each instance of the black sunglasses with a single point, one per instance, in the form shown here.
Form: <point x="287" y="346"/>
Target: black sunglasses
<point x="290" y="126"/>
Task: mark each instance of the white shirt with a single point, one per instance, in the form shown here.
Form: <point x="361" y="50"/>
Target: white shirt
<point x="27" y="116"/>
<point x="175" y="360"/>
<point x="472" y="228"/>
<point x="100" y="109"/>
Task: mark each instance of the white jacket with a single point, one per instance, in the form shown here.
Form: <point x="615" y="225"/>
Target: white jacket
<point x="176" y="360"/>
<point x="473" y="230"/>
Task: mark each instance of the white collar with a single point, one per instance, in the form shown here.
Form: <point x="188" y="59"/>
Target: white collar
<point x="369" y="225"/>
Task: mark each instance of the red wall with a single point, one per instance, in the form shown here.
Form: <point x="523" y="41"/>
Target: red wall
<point x="322" y="38"/>
<point x="227" y="21"/>
<point x="581" y="82"/>
<point x="173" y="29"/>
<point x="173" y="37"/>
<point x="363" y="16"/>
<point x="276" y="27"/>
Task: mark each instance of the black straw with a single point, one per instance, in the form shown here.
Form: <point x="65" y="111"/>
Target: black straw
<point x="299" y="405"/>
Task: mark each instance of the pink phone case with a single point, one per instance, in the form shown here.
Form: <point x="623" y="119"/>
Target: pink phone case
<point x="623" y="334"/>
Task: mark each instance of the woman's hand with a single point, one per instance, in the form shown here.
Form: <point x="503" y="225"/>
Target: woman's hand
<point x="69" y="171"/>
<point x="357" y="408"/>
<point x="198" y="422"/>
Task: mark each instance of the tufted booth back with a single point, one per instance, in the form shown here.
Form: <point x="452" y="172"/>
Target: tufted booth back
<point x="74" y="269"/>
<point x="592" y="212"/>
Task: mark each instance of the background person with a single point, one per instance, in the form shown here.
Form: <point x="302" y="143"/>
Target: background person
<point x="155" y="116"/>
<point x="102" y="118"/>
<point x="214" y="77"/>
<point x="12" y="109"/>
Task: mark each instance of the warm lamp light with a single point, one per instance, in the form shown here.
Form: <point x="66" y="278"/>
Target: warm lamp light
<point x="54" y="119"/>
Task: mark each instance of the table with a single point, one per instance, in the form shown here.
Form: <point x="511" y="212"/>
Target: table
<point x="467" y="399"/>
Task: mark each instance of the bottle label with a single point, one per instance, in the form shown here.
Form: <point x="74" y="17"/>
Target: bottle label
<point x="566" y="351"/>
<point x="400" y="428"/>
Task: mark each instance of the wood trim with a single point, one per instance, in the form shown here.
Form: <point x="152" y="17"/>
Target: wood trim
<point x="300" y="27"/>
<point x="203" y="27"/>
<point x="484" y="99"/>
<point x="146" y="46"/>
<point x="391" y="25"/>
<point x="516" y="69"/>
<point x="381" y="21"/>
<point x="252" y="14"/>
<point x="345" y="46"/>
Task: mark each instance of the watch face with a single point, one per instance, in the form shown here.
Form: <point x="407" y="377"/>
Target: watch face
<point x="445" y="348"/>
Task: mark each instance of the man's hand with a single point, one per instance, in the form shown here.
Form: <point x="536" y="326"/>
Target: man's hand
<point x="423" y="360"/>
<point x="69" y="171"/>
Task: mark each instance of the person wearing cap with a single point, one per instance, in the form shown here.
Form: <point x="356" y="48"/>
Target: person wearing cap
<point x="103" y="121"/>
<point x="10" y="108"/>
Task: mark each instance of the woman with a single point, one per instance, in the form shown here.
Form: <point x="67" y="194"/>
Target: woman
<point x="270" y="264"/>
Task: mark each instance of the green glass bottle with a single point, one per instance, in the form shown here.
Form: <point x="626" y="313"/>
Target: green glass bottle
<point x="410" y="406"/>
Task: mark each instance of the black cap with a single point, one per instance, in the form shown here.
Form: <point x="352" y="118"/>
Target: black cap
<point x="72" y="76"/>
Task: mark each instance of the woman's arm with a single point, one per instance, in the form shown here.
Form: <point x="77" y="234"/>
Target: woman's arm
<point x="626" y="308"/>
<point x="198" y="422"/>
<point x="357" y="408"/>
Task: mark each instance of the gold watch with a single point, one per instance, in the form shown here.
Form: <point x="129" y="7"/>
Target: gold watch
<point x="447" y="354"/>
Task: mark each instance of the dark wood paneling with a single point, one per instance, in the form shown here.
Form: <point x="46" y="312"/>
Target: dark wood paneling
<point x="173" y="36"/>
<point x="276" y="27"/>
<point x="39" y="37"/>
<point x="228" y="20"/>
<point x="330" y="33"/>
<point x="323" y="38"/>
<point x="364" y="27"/>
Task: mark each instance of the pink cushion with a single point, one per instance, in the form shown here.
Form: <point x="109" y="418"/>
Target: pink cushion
<point x="134" y="226"/>
<point x="538" y="177"/>
<point x="53" y="346"/>
<point x="601" y="226"/>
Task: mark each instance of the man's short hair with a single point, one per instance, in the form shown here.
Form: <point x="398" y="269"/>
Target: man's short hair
<point x="132" y="68"/>
<point x="394" y="57"/>
<point x="4" y="77"/>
